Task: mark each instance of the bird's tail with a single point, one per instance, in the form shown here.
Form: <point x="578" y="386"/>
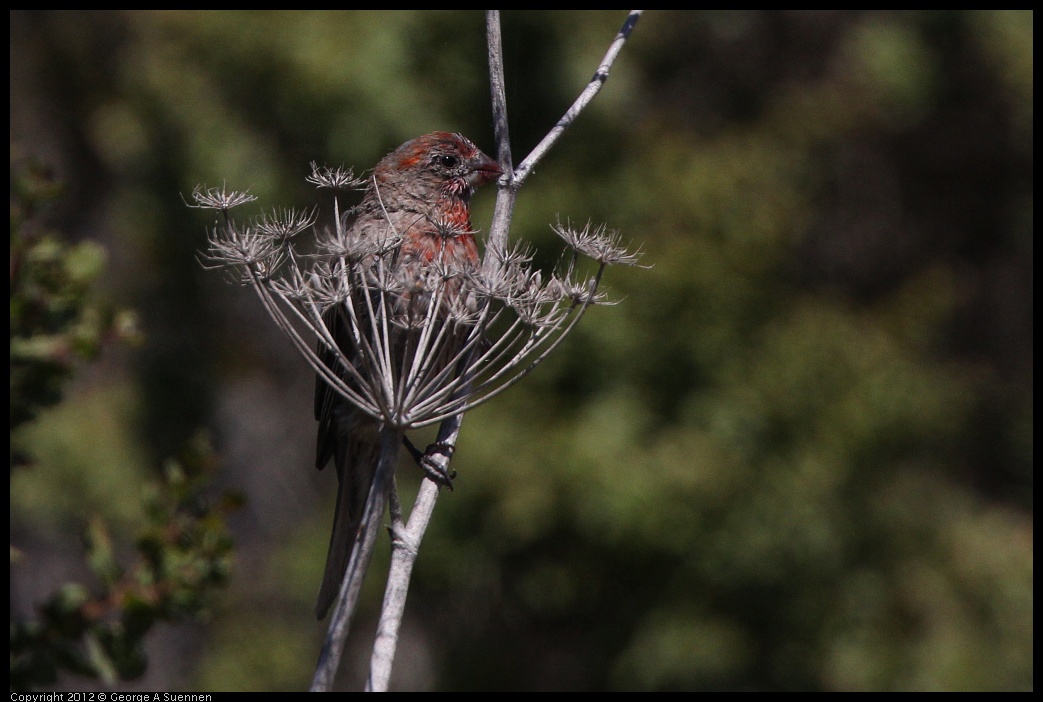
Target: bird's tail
<point x="356" y="461"/>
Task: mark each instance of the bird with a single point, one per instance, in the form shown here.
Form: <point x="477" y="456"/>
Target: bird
<point x="418" y="195"/>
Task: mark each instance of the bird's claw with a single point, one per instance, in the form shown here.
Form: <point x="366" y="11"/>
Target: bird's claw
<point x="434" y="470"/>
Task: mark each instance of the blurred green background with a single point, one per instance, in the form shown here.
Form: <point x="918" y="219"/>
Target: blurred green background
<point x="796" y="456"/>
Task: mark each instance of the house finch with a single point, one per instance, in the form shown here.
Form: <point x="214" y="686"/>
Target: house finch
<point x="419" y="192"/>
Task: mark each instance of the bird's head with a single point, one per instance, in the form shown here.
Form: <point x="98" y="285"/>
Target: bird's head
<point x="447" y="163"/>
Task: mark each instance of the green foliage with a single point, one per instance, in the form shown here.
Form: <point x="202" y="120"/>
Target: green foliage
<point x="184" y="548"/>
<point x="52" y="322"/>
<point x="184" y="555"/>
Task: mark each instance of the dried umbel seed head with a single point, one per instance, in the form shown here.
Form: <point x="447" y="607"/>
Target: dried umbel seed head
<point x="492" y="322"/>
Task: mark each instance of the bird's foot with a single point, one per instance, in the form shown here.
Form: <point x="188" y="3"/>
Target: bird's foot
<point x="435" y="469"/>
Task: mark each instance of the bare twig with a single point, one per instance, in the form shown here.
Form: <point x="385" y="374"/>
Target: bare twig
<point x="405" y="543"/>
<point x="496" y="244"/>
<point x="351" y="586"/>
<point x="592" y="89"/>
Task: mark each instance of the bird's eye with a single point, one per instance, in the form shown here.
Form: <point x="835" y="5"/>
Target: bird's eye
<point x="448" y="160"/>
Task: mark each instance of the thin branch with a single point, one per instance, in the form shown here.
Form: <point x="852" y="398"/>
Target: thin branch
<point x="507" y="192"/>
<point x="592" y="89"/>
<point x="499" y="93"/>
<point x="351" y="586"/>
<point x="405" y="544"/>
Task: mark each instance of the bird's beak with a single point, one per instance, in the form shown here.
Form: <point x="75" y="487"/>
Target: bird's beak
<point x="483" y="169"/>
